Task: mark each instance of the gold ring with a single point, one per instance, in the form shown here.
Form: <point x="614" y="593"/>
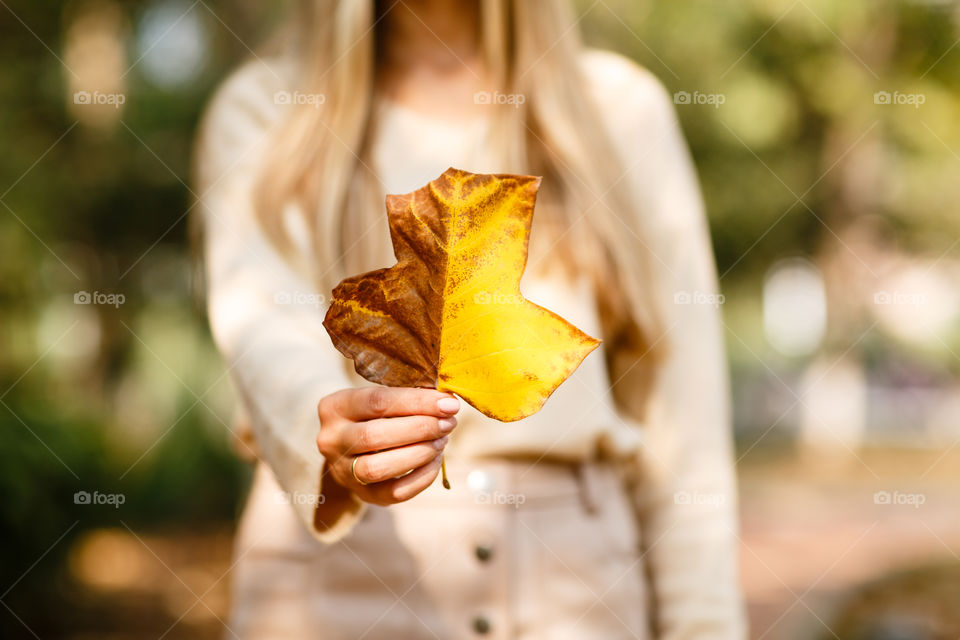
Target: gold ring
<point x="353" y="469"/>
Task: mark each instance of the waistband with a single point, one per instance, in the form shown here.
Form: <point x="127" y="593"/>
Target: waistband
<point x="515" y="482"/>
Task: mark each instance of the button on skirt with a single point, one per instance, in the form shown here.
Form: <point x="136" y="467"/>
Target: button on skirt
<point x="516" y="549"/>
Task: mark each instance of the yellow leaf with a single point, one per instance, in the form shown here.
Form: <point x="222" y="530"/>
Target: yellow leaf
<point x="450" y="314"/>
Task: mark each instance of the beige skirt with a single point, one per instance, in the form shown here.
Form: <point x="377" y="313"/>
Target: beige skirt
<point x="514" y="550"/>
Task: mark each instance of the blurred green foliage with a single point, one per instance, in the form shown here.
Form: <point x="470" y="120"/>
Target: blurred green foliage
<point x="132" y="399"/>
<point x="799" y="80"/>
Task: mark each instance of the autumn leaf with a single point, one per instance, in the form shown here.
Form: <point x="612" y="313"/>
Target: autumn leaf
<point x="450" y="314"/>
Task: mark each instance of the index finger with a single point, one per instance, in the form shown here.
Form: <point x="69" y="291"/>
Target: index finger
<point x="370" y="403"/>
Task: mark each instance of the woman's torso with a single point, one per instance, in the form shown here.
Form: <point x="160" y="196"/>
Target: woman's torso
<point x="580" y="420"/>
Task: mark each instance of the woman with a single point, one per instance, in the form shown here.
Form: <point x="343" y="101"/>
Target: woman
<point x="608" y="514"/>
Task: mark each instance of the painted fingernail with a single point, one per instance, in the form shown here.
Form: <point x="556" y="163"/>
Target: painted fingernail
<point x="440" y="443"/>
<point x="447" y="424"/>
<point x="448" y="405"/>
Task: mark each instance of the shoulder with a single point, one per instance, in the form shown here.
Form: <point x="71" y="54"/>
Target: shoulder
<point x="630" y="98"/>
<point x="245" y="105"/>
<point x="640" y="117"/>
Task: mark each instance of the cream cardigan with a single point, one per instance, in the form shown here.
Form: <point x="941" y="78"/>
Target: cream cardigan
<point x="266" y="320"/>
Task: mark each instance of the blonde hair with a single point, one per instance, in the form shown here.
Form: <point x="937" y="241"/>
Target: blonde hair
<point x="320" y="159"/>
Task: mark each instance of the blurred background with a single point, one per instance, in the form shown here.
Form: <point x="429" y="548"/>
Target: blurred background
<point x="827" y="137"/>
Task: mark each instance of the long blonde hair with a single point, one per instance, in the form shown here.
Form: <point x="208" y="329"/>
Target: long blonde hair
<point x="320" y="159"/>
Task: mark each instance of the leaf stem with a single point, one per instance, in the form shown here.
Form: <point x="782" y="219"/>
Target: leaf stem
<point x="443" y="473"/>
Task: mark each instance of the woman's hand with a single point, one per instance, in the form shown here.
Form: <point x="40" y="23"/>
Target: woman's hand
<point x="391" y="432"/>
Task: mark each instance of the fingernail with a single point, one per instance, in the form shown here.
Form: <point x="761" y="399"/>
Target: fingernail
<point x="440" y="443"/>
<point x="448" y="405"/>
<point x="447" y="424"/>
